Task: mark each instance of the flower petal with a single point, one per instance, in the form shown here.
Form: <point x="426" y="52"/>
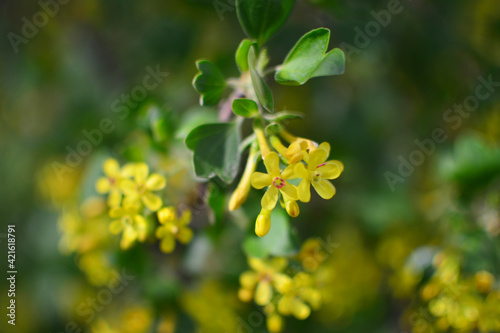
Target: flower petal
<point x="337" y="163"/>
<point x="300" y="310"/>
<point x="185" y="218"/>
<point x="185" y="235"/>
<point x="289" y="172"/>
<point x="141" y="227"/>
<point x="128" y="170"/>
<point x="301" y="171"/>
<point x="304" y="191"/>
<point x="167" y="244"/>
<point x="152" y="201"/>
<point x="329" y="171"/>
<point x="103" y="185"/>
<point x="141" y="173"/>
<point x="326" y="147"/>
<point x="155" y="182"/>
<point x="128" y="186"/>
<point x="114" y="198"/>
<point x="128" y="238"/>
<point x="270" y="198"/>
<point x="325" y="189"/>
<point x="260" y="180"/>
<point x="316" y="158"/>
<point x="116" y="212"/>
<point x="249" y="279"/>
<point x="111" y="168"/>
<point x="166" y="214"/>
<point x="272" y="163"/>
<point x="115" y="227"/>
<point x="290" y="191"/>
<point x="263" y="293"/>
<point x="285" y="305"/>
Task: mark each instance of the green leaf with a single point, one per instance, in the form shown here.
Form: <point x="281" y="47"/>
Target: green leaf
<point x="242" y="54"/>
<point x="193" y="118"/>
<point x="308" y="59"/>
<point x="273" y="129"/>
<point x="282" y="116"/>
<point x="209" y="82"/>
<point x="260" y="19"/>
<point x="280" y="241"/>
<point x="245" y="107"/>
<point x="261" y="89"/>
<point x="216" y="150"/>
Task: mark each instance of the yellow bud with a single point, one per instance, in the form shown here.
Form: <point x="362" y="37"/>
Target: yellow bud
<point x="483" y="281"/>
<point x="238" y="198"/>
<point x="292" y="208"/>
<point x="241" y="193"/>
<point x="166" y="214"/>
<point x="263" y="293"/>
<point x="263" y="223"/>
<point x="245" y="295"/>
<point x="275" y="323"/>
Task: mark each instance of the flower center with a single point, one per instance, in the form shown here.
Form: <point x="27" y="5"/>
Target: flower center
<point x="278" y="182"/>
<point x="141" y="189"/>
<point x="112" y="181"/>
<point x="316" y="177"/>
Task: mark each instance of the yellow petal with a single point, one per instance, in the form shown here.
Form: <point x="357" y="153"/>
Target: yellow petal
<point x="339" y="164"/>
<point x="278" y="264"/>
<point x="256" y="264"/>
<point x="272" y="163"/>
<point x="270" y="198"/>
<point x="111" y="168"/>
<point x="301" y="171"/>
<point x="282" y="282"/>
<point x="167" y="244"/>
<point x="285" y="305"/>
<point x="141" y="173"/>
<point x="152" y="201"/>
<point x="263" y="224"/>
<point x="128" y="186"/>
<point x="249" y="279"/>
<point x="263" y="293"/>
<point x="289" y="172"/>
<point x="325" y="189"/>
<point x="290" y="191"/>
<point x="103" y="185"/>
<point x="132" y="202"/>
<point x="114" y="198"/>
<point x="316" y="158"/>
<point x="326" y="147"/>
<point x="261" y="180"/>
<point x="300" y="310"/>
<point x="245" y="295"/>
<point x="304" y="190"/>
<point x="274" y="323"/>
<point x="155" y="182"/>
<point x="141" y="227"/>
<point x="166" y="214"/>
<point x="292" y="208"/>
<point x="115" y="227"/>
<point x="116" y="212"/>
<point x="128" y="170"/>
<point x="185" y="235"/>
<point x="128" y="238"/>
<point x="329" y="171"/>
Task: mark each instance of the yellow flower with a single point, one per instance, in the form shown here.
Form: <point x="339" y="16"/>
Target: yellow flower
<point x="128" y="221"/>
<point x="141" y="187"/>
<point x="295" y="152"/>
<point x="110" y="183"/>
<point x="172" y="228"/>
<point x="276" y="180"/>
<point x="299" y="297"/>
<point x="260" y="280"/>
<point x="317" y="173"/>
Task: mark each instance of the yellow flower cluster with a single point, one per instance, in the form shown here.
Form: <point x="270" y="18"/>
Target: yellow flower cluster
<point x="459" y="303"/>
<point x="304" y="163"/>
<point x="131" y="196"/>
<point x="270" y="285"/>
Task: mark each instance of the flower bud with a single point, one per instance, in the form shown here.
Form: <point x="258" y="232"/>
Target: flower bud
<point x="263" y="223"/>
<point x="238" y="198"/>
<point x="275" y="323"/>
<point x="292" y="208"/>
<point x="484" y="281"/>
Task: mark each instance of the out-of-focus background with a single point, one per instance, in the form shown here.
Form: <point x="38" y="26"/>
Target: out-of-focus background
<point x="412" y="203"/>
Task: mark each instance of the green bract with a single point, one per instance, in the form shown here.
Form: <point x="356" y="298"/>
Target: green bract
<point x="260" y="19"/>
<point x="245" y="107"/>
<point x="242" y="55"/>
<point x="309" y="59"/>
<point x="216" y="150"/>
<point x="209" y="82"/>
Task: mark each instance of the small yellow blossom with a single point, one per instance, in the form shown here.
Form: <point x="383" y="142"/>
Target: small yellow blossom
<point x="299" y="296"/>
<point x="317" y="172"/>
<point x="130" y="222"/>
<point x="172" y="228"/>
<point x="259" y="282"/>
<point x="110" y="183"/>
<point x="141" y="188"/>
<point x="276" y="180"/>
<point x="295" y="152"/>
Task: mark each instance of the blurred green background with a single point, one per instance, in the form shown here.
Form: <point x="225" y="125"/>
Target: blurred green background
<point x="396" y="90"/>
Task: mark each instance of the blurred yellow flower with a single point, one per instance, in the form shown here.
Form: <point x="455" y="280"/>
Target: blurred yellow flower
<point x="130" y="223"/>
<point x="110" y="183"/>
<point x="173" y="227"/>
<point x="299" y="296"/>
<point x="140" y="188"/>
